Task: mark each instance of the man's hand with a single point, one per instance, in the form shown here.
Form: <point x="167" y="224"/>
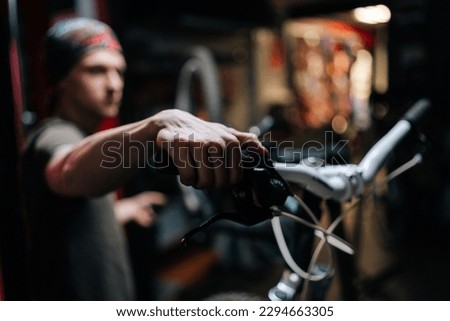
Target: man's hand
<point x="207" y="155"/>
<point x="139" y="208"/>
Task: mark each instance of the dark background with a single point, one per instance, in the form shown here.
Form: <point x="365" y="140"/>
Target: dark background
<point x="419" y="66"/>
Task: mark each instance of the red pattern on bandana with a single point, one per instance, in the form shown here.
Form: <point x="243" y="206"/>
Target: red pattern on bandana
<point x="104" y="40"/>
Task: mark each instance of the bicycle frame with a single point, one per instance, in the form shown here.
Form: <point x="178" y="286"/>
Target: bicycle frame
<point x="265" y="188"/>
<point x="339" y="183"/>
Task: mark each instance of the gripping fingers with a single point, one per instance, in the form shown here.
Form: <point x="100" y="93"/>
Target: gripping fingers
<point x="185" y="163"/>
<point x="205" y="175"/>
<point x="233" y="162"/>
<point x="249" y="140"/>
<point x="216" y="156"/>
<point x="216" y="164"/>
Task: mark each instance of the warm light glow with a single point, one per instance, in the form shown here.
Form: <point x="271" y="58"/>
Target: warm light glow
<point x="372" y="14"/>
<point x="339" y="124"/>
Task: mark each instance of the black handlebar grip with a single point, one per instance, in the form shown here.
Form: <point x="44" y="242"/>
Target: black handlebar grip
<point x="417" y="111"/>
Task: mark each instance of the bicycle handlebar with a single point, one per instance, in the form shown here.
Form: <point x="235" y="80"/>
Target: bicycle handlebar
<point x="341" y="182"/>
<point x="376" y="156"/>
<point x="265" y="188"/>
<point x="416" y="113"/>
<point x="265" y="182"/>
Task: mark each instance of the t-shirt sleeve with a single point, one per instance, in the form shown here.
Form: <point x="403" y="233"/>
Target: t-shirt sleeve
<point x="42" y="145"/>
<point x="56" y="136"/>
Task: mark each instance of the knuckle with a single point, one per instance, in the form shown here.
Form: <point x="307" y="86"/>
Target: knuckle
<point x="253" y="137"/>
<point x="215" y="146"/>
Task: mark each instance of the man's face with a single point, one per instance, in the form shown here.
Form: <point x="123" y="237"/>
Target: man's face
<point x="94" y="86"/>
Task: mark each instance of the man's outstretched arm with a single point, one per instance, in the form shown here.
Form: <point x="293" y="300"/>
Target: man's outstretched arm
<point x="206" y="154"/>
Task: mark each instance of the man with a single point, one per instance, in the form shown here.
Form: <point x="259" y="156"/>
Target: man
<point x="77" y="250"/>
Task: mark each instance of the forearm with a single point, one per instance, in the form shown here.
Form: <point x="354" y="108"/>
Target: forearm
<point x="103" y="161"/>
<point x="206" y="154"/>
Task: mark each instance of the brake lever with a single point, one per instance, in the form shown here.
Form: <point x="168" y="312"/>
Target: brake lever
<point x="255" y="218"/>
<point x="260" y="188"/>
